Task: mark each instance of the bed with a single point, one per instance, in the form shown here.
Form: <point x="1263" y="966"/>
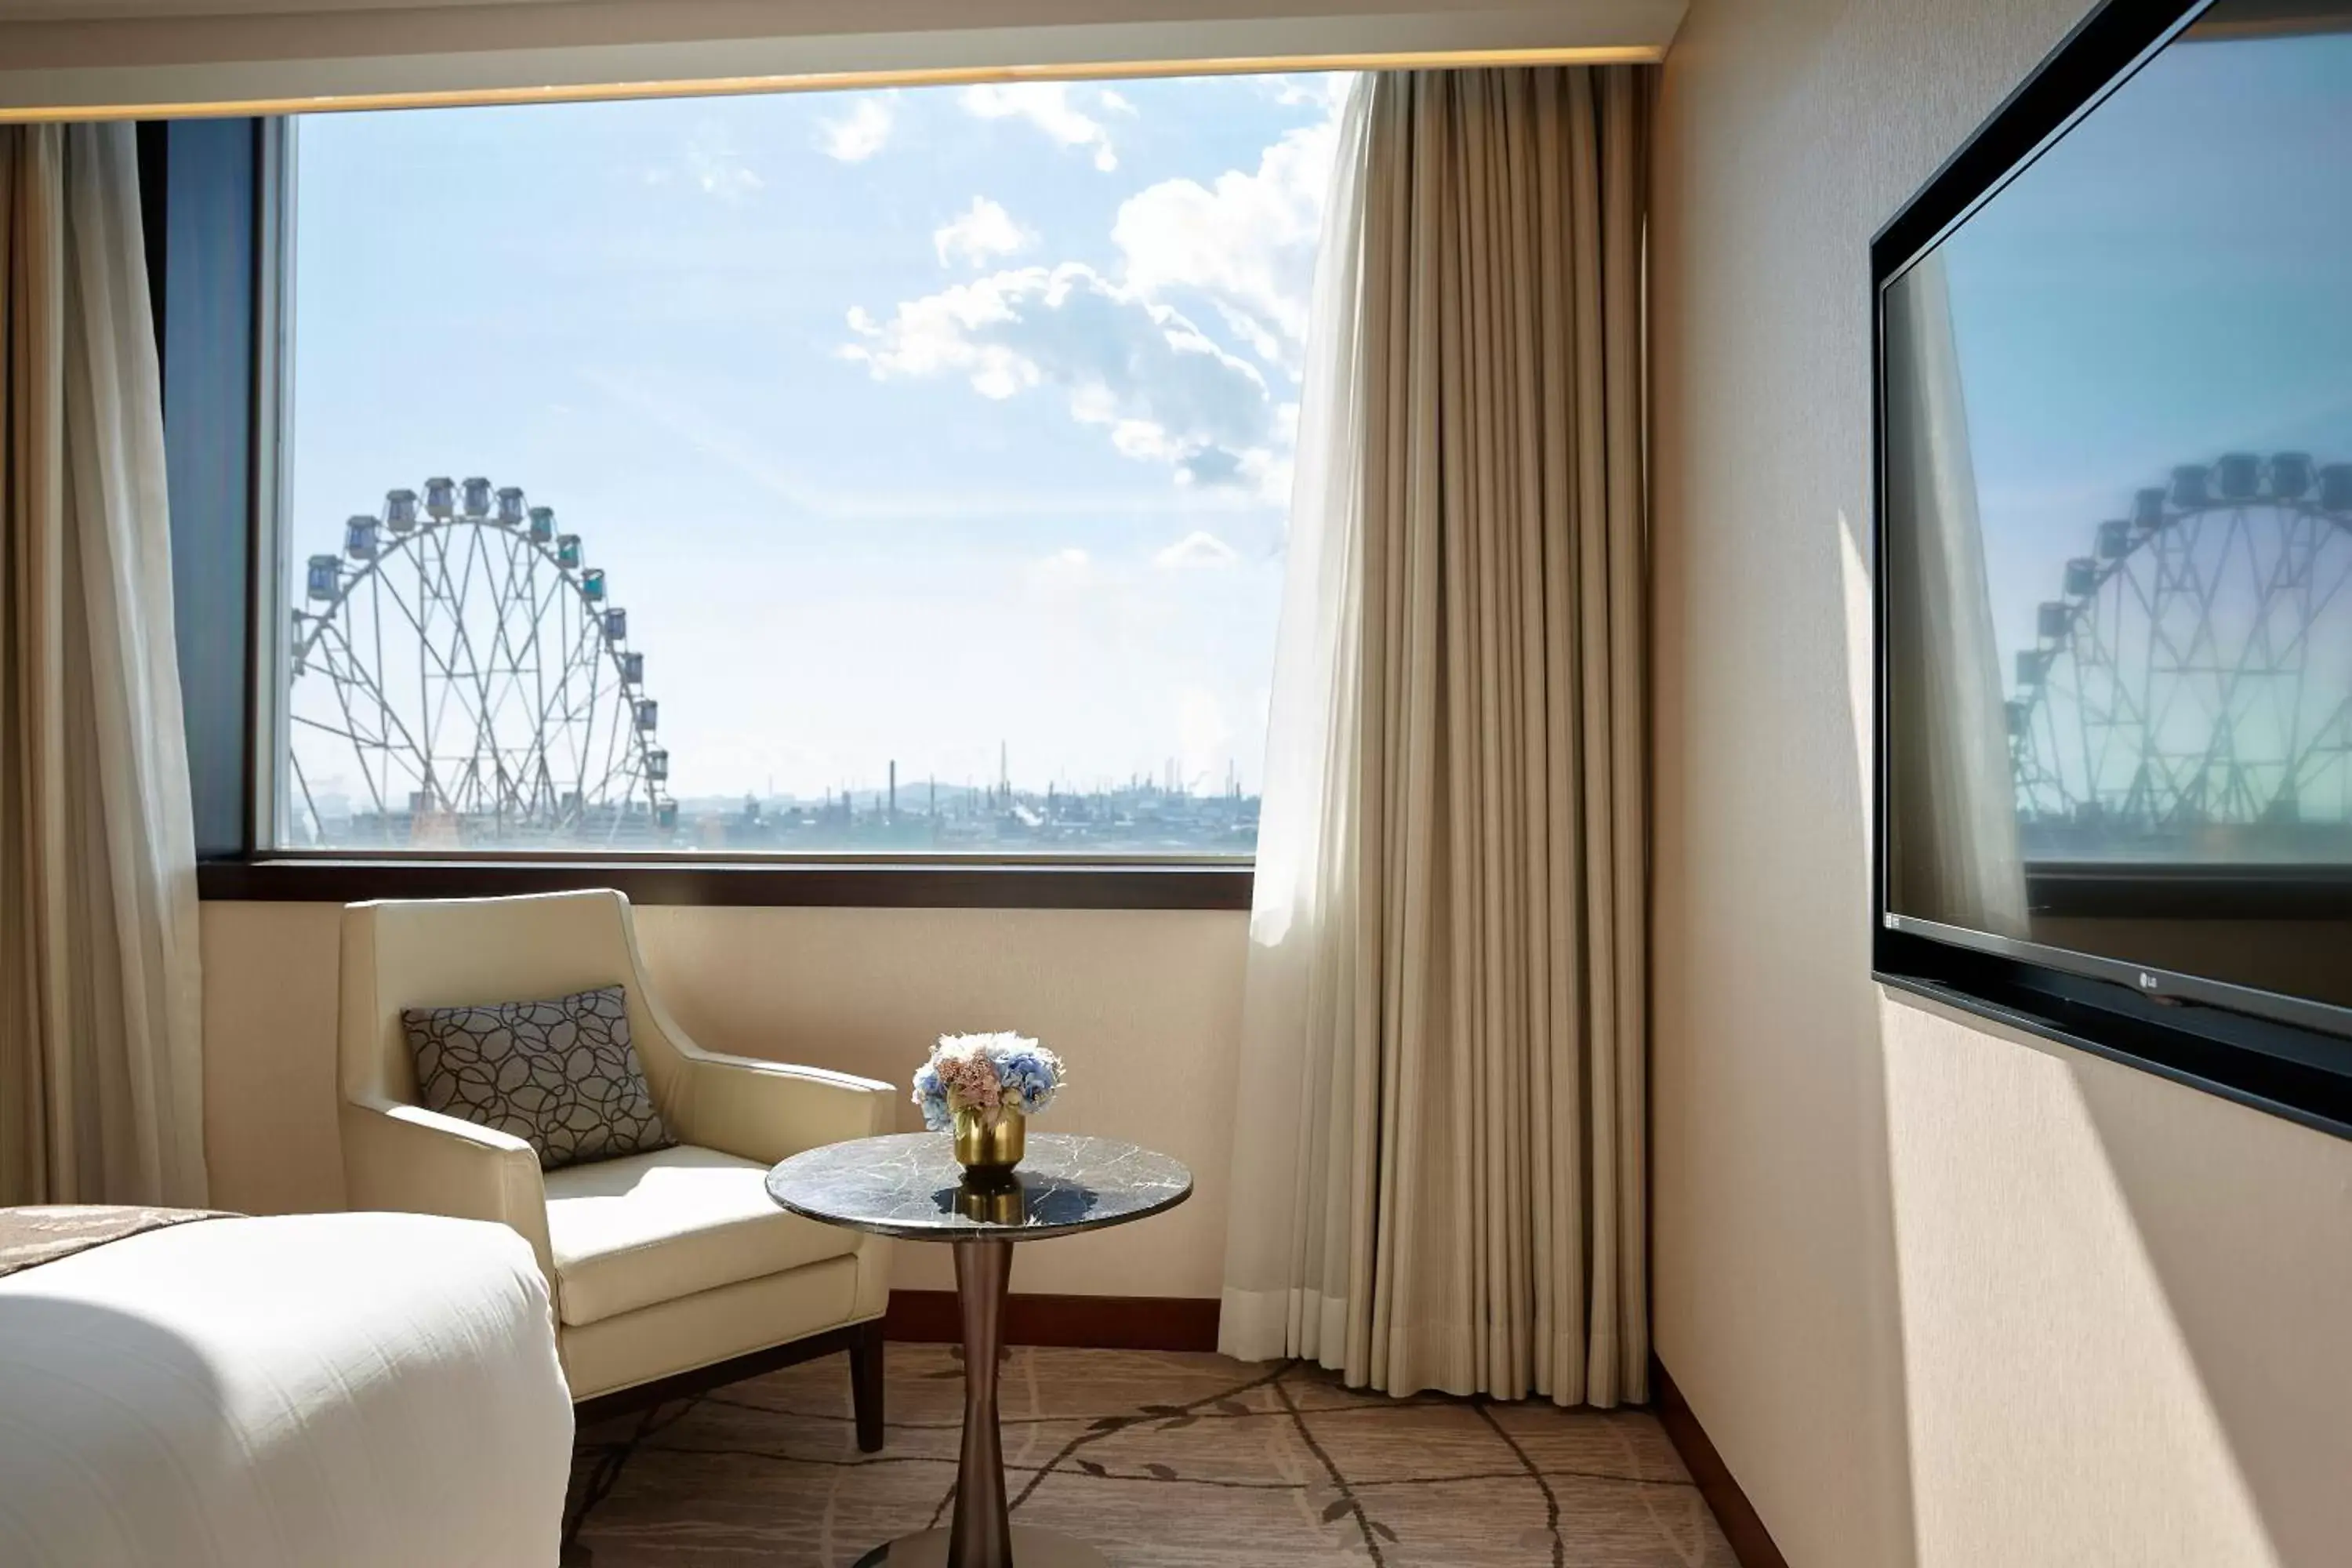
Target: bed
<point x="350" y="1390"/>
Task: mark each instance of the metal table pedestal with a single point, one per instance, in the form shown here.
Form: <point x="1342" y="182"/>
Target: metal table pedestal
<point x="908" y="1186"/>
<point x="979" y="1535"/>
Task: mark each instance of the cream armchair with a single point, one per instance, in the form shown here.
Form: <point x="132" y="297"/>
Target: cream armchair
<point x="668" y="1270"/>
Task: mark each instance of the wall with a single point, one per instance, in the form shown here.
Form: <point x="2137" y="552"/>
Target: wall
<point x="1941" y="1295"/>
<point x="1145" y="1007"/>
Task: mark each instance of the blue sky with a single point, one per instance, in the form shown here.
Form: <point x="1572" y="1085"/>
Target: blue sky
<point x="2171" y="282"/>
<point x="904" y="424"/>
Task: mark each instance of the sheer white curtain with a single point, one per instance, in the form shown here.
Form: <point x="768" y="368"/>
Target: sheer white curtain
<point x="1297" y="1158"/>
<point x="100" y="1056"/>
<point x="1954" y="851"/>
<point x="1439" y="1140"/>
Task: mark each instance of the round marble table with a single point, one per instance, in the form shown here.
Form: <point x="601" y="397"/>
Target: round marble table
<point x="909" y="1186"/>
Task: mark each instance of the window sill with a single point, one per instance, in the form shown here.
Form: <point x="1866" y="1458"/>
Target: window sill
<point x="2123" y="890"/>
<point x="742" y="883"/>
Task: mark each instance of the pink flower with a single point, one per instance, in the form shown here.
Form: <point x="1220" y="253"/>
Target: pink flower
<point x="971" y="1078"/>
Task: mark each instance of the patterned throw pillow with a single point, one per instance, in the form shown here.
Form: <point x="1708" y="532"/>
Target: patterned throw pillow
<point x="561" y="1074"/>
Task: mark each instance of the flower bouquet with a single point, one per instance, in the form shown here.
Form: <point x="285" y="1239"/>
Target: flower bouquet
<point x="983" y="1088"/>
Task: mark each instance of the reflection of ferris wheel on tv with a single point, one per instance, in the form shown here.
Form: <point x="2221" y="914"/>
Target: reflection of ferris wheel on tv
<point x="461" y="661"/>
<point x="2197" y="669"/>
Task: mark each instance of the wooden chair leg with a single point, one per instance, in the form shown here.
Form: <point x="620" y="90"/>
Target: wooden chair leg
<point x="866" y="1385"/>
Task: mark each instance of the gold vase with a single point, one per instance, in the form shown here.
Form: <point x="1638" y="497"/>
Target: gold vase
<point x="988" y="1150"/>
<point x="995" y="1200"/>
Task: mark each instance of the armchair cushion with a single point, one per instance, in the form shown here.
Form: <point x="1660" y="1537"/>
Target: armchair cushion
<point x="563" y="1074"/>
<point x="632" y="1232"/>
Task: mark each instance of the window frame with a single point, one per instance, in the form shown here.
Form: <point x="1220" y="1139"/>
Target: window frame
<point x="216" y="193"/>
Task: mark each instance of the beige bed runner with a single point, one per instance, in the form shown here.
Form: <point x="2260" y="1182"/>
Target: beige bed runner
<point x="43" y="1233"/>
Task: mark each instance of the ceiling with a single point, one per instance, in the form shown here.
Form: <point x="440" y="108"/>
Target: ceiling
<point x="72" y="58"/>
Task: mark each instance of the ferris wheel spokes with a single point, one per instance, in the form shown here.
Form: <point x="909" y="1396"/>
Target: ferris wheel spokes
<point x="522" y="716"/>
<point x="2190" y="677"/>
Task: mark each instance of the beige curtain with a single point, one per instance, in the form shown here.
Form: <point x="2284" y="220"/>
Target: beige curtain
<point x="100" y="1071"/>
<point x="1440" y="1168"/>
<point x="1955" y="854"/>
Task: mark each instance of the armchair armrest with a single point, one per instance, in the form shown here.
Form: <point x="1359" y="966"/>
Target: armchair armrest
<point x="764" y="1111"/>
<point x="413" y="1160"/>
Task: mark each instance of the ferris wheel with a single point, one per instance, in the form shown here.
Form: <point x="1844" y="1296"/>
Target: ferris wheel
<point x="2196" y="672"/>
<point x="458" y="675"/>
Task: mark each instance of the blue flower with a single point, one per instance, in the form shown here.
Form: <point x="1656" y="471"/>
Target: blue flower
<point x="1029" y="1078"/>
<point x="932" y="1096"/>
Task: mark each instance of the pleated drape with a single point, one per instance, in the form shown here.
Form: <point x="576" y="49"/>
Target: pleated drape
<point x="101" y="1057"/>
<point x="1440" y="1171"/>
<point x="1958" y="857"/>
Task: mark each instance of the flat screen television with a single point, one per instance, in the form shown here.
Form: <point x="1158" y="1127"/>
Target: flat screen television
<point x="2114" y="568"/>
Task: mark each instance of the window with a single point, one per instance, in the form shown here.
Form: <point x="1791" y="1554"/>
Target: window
<point x="897" y="472"/>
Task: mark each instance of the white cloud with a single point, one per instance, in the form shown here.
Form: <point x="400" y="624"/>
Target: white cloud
<point x="1127" y="348"/>
<point x="1204" y="739"/>
<point x="1048" y="106"/>
<point x="1114" y="102"/>
<point x="1245" y="241"/>
<point x="716" y="166"/>
<point x="1062" y="572"/>
<point x="1162" y="389"/>
<point x="863" y="131"/>
<point x="1197" y="551"/>
<point x="980" y="232"/>
<point x="1327" y="90"/>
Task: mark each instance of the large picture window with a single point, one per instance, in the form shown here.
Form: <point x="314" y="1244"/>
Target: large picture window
<point x="882" y="473"/>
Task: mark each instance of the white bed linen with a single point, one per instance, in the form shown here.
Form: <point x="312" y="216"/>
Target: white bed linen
<point x="345" y="1391"/>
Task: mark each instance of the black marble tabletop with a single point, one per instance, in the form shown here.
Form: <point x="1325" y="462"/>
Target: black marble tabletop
<point x="907" y="1185"/>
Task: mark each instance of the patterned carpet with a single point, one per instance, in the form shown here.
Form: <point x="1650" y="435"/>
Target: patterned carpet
<point x="1156" y="1459"/>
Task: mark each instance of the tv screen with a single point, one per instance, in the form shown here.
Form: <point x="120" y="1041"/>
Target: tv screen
<point x="2116" y="530"/>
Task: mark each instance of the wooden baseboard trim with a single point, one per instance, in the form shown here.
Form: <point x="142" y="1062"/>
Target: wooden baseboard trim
<point x="1095" y="1322"/>
<point x="1743" y="1528"/>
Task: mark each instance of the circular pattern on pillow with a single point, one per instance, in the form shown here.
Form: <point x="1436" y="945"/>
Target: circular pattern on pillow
<point x="562" y="1074"/>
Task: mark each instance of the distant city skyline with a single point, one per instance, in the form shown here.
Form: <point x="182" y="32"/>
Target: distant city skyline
<point x="916" y="424"/>
<point x="993" y="817"/>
